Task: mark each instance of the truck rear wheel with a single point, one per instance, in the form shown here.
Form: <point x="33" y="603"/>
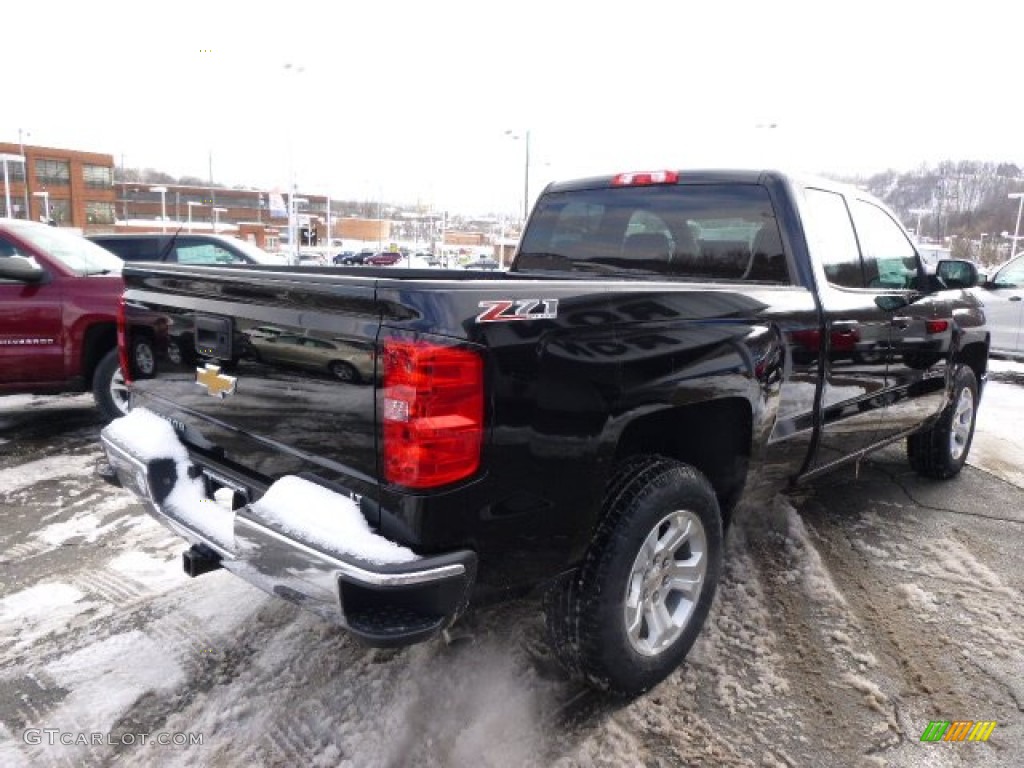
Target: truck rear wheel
<point x="109" y="388"/>
<point x="940" y="451"/>
<point x="630" y="614"/>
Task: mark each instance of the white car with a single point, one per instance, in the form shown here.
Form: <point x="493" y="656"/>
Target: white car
<point x="1003" y="297"/>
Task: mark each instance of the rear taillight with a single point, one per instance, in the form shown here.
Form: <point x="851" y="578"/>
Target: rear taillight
<point x="122" y="341"/>
<point x="433" y="413"/>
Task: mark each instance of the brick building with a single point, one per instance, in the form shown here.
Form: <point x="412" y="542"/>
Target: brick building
<point x="76" y="187"/>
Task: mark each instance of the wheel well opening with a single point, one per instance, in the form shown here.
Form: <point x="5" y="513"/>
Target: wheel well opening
<point x="713" y="437"/>
<point x="99" y="339"/>
<point x="976" y="356"/>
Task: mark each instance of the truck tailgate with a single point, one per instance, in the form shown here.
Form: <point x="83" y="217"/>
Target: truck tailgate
<point x="262" y="373"/>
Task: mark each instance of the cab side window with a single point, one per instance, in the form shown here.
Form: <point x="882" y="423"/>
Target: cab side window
<point x="890" y="261"/>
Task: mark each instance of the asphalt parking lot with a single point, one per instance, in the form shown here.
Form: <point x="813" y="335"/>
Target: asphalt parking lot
<point x="851" y="613"/>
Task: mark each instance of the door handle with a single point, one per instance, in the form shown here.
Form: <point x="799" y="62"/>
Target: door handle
<point x="1014" y="298"/>
<point x="901" y="322"/>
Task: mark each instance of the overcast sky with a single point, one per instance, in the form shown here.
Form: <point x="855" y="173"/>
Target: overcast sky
<point x="412" y="100"/>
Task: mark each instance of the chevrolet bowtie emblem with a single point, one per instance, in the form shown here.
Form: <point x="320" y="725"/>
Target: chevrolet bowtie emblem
<point x="216" y="383"/>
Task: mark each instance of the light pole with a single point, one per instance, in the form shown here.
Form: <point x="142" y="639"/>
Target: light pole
<point x="46" y="204"/>
<point x="216" y="217"/>
<point x="163" y="206"/>
<point x="293" y="245"/>
<point x="191" y="204"/>
<point x="919" y="212"/>
<point x="5" y="159"/>
<point x="1016" y="230"/>
<point x="293" y="227"/>
<point x="526" y="171"/>
<point x="21" y="144"/>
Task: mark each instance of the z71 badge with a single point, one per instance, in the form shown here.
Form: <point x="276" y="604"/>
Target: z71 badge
<point x="506" y="310"/>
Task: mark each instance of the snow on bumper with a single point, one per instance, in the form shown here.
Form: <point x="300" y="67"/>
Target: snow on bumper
<point x="300" y="541"/>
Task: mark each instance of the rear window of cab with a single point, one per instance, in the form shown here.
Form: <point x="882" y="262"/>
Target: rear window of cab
<point x="702" y="232"/>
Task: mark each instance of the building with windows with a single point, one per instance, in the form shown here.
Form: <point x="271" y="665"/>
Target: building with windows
<point x="67" y="187"/>
<point x="205" y="208"/>
<point x="78" y="189"/>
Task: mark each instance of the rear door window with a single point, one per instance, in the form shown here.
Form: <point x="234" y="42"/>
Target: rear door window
<point x="830" y="228"/>
<point x="691" y="231"/>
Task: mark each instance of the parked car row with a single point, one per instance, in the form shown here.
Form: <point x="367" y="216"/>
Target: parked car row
<point x="415" y="260"/>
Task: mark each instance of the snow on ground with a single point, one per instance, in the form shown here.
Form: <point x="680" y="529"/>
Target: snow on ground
<point x="52" y="467"/>
<point x="86" y="526"/>
<point x="998" y="447"/>
<point x="38" y="611"/>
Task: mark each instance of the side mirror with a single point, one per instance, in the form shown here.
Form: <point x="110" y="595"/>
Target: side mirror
<point x="21" y="269"/>
<point x="957" y="273"/>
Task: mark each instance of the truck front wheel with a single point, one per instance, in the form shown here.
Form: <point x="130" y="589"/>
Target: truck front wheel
<point x="109" y="388"/>
<point x="630" y="614"/>
<point x="940" y="451"/>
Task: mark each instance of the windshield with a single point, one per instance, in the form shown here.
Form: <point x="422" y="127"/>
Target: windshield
<point x="76" y="253"/>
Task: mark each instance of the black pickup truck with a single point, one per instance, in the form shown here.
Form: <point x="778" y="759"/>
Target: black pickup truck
<point x="583" y="424"/>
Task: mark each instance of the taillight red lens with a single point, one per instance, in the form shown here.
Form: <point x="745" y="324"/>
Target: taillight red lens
<point x="433" y="413"/>
<point x="122" y="342"/>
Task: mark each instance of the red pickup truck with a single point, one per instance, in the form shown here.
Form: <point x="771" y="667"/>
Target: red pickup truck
<point x="59" y="297"/>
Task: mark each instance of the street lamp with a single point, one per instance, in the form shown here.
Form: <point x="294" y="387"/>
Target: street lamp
<point x="22" y="135"/>
<point x="46" y="204"/>
<point x="296" y="71"/>
<point x="1016" y="230"/>
<point x="293" y="227"/>
<point x="5" y="159"/>
<point x="191" y="204"/>
<point x="163" y="206"/>
<point x="919" y="212"/>
<point x="526" y="171"/>
<point x="216" y="217"/>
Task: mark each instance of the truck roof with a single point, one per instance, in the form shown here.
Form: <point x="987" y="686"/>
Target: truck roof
<point x="713" y="176"/>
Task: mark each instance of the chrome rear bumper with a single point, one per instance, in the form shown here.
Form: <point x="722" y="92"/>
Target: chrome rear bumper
<point x="382" y="604"/>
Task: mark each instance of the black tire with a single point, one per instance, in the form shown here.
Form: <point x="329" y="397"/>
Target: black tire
<point x="587" y="611"/>
<point x="344" y="372"/>
<point x="940" y="451"/>
<point x="109" y="389"/>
